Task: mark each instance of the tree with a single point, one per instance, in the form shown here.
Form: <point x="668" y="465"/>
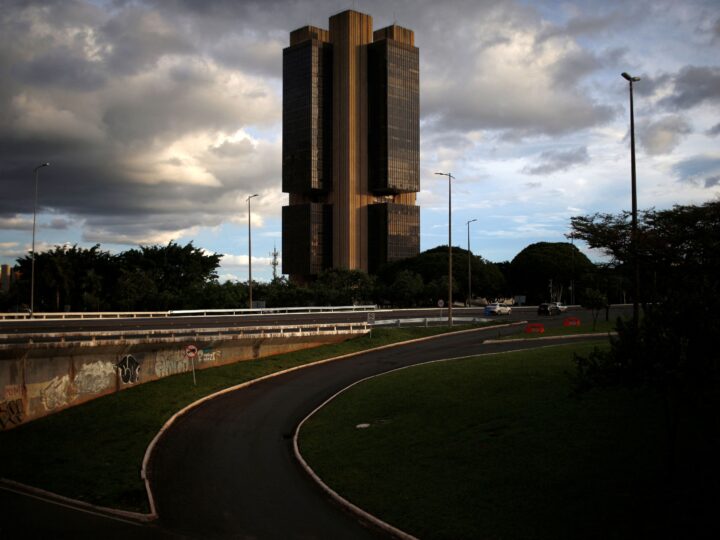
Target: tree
<point x="673" y="350"/>
<point x="179" y="273"/>
<point x="543" y="271"/>
<point x="432" y="267"/>
<point x="69" y="276"/>
<point x="340" y="287"/>
<point x="595" y="301"/>
<point x="406" y="290"/>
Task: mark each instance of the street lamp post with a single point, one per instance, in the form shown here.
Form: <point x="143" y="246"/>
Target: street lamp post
<point x="250" y="302"/>
<point x="36" y="171"/>
<point x="450" y="277"/>
<point x="636" y="266"/>
<point x="469" y="267"/>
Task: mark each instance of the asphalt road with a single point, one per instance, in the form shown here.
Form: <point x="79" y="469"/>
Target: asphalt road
<point x="226" y="469"/>
<point x="9" y="327"/>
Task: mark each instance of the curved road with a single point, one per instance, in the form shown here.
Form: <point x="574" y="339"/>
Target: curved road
<point x="226" y="469"/>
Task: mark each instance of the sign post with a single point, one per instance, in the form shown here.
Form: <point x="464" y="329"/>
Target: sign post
<point x="191" y="353"/>
<point x="371" y="322"/>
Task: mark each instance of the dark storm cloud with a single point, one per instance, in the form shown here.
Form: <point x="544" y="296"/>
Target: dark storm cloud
<point x="139" y="38"/>
<point x="714" y="131"/>
<point x="712" y="181"/>
<point x="150" y="110"/>
<point x="694" y="85"/>
<point x="585" y="25"/>
<point x="699" y="170"/>
<point x="557" y="161"/>
<point x="60" y="67"/>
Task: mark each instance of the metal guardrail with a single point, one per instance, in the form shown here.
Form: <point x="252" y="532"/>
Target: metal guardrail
<point x="128" y="337"/>
<point x="180" y="313"/>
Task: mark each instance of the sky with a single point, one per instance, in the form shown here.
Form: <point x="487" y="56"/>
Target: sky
<point x="160" y="117"/>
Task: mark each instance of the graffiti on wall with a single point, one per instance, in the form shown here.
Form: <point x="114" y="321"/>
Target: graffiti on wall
<point x="209" y="355"/>
<point x="129" y="369"/>
<point x="57" y="393"/>
<point x="171" y="362"/>
<point x="13" y="392"/>
<point x="95" y="377"/>
<point x="11" y="413"/>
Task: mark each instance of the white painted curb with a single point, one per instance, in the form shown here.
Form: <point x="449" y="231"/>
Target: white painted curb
<point x="551" y="338"/>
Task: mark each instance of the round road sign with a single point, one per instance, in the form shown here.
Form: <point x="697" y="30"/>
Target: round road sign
<point x="191" y="351"/>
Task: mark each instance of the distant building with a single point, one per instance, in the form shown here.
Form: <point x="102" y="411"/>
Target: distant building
<point x="351" y="147"/>
<point x="5" y="277"/>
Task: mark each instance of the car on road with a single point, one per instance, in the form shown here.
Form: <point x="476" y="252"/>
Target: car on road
<point x="562" y="307"/>
<point x="548" y="309"/>
<point x="497" y="309"/>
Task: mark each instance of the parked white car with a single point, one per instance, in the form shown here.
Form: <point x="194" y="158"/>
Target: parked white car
<point x="562" y="307"/>
<point x="497" y="309"/>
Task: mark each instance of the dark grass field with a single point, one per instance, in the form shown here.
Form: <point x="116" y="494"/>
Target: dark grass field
<point x="499" y="447"/>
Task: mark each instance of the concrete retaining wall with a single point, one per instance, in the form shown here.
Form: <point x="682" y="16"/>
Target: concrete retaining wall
<point x="36" y="382"/>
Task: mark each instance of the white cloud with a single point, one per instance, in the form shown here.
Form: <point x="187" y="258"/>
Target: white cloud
<point x="662" y="136"/>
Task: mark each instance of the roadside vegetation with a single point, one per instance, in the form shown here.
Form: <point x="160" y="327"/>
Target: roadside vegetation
<point x="501" y="447"/>
<point x="174" y="276"/>
<point x="93" y="452"/>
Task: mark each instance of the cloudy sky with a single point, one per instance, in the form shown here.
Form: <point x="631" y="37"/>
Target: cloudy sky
<point x="160" y="117"/>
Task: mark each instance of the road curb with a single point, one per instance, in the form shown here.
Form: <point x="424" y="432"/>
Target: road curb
<point x="550" y="338"/>
<point x="49" y="496"/>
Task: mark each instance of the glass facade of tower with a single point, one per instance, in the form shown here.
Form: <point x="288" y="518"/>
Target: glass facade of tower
<point x="394" y="233"/>
<point x="351" y="147"/>
<point x="307" y="238"/>
<point x="394" y="117"/>
<point x="307" y="131"/>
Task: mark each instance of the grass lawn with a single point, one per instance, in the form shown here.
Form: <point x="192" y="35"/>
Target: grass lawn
<point x="498" y="447"/>
<point x="94" y="452"/>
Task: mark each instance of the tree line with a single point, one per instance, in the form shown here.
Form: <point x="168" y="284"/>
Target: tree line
<point x="174" y="276"/>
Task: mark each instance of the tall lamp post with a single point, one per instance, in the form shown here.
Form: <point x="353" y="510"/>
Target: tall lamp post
<point x="250" y="303"/>
<point x="636" y="266"/>
<point x="36" y="171"/>
<point x="450" y="279"/>
<point x="469" y="267"/>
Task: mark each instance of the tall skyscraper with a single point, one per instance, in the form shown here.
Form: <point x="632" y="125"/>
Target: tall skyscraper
<point x="351" y="146"/>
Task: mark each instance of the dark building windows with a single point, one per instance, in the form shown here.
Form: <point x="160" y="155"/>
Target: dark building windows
<point x="307" y="131"/>
<point x="394" y="117"/>
<point x="394" y="233"/>
<point x="307" y="238"/>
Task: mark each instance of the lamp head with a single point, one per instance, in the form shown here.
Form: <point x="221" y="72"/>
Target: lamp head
<point x="629" y="78"/>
